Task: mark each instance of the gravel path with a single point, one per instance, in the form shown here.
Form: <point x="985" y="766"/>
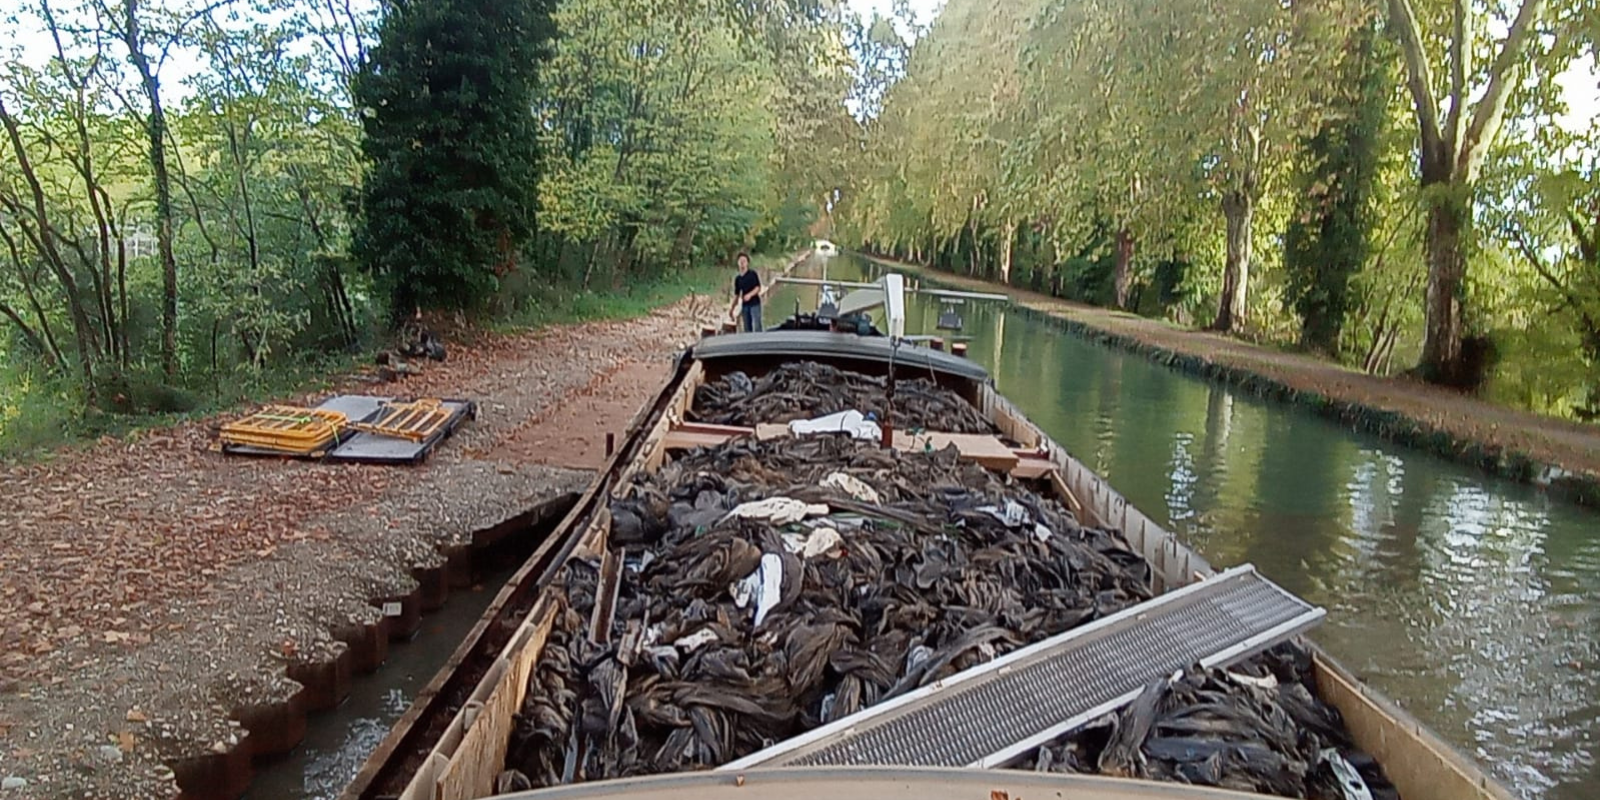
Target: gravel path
<point x="1559" y="449"/>
<point x="150" y="587"/>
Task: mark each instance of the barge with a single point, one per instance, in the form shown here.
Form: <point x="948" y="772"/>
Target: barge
<point x="952" y="715"/>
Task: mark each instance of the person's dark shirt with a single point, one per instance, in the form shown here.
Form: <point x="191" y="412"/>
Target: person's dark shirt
<point x="746" y="281"/>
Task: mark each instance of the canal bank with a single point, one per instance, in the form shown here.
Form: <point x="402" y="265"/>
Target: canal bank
<point x="1559" y="456"/>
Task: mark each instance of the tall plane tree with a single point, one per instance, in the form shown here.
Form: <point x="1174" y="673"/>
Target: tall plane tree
<point x="1328" y="240"/>
<point x="447" y="98"/>
<point x="1454" y="135"/>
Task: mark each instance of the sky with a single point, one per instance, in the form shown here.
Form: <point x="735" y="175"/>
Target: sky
<point x="925" y="10"/>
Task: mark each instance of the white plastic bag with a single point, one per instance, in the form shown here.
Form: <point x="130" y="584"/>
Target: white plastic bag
<point x="851" y="422"/>
<point x="851" y="485"/>
<point x="778" y="510"/>
<point x="816" y="543"/>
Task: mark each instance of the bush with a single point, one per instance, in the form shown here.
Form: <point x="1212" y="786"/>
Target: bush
<point x="144" y="393"/>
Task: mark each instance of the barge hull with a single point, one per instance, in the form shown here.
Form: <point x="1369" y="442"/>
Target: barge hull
<point x="472" y="729"/>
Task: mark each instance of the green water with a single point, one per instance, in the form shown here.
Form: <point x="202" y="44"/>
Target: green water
<point x="1471" y="602"/>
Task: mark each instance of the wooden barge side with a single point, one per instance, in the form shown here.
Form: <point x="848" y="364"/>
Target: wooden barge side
<point x="451" y="744"/>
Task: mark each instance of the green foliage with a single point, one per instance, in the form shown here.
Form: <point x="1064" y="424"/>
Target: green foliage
<point x="1327" y="242"/>
<point x="554" y="305"/>
<point x="145" y="393"/>
<point x="675" y="134"/>
<point x="1063" y="120"/>
<point x="446" y="99"/>
<point x="36" y="411"/>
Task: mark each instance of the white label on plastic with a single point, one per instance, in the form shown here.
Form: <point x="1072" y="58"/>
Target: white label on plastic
<point x="391" y="609"/>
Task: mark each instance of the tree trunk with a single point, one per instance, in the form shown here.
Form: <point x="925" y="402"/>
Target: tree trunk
<point x="1448" y="221"/>
<point x="1124" y="273"/>
<point x="29" y="335"/>
<point x="1451" y="156"/>
<point x="1237" y="209"/>
<point x="1008" y="236"/>
<point x="683" y="244"/>
<point x="44" y="240"/>
<point x="156" y="129"/>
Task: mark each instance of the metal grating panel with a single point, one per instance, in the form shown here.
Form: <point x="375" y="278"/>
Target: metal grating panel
<point x="989" y="714"/>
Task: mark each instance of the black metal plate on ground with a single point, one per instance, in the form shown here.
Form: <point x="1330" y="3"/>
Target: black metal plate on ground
<point x="358" y="447"/>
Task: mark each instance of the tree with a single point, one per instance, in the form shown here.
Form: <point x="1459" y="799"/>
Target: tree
<point x="1328" y="240"/>
<point x="1455" y="134"/>
<point x="127" y="23"/>
<point x="447" y="100"/>
<point x="1548" y="214"/>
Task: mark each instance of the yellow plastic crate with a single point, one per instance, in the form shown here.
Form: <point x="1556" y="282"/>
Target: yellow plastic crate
<point x="415" y="420"/>
<point x="286" y="429"/>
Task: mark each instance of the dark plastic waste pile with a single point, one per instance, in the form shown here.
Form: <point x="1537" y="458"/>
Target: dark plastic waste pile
<point x="876" y="573"/>
<point x="771" y="587"/>
<point x="807" y="390"/>
<point x="1257" y="727"/>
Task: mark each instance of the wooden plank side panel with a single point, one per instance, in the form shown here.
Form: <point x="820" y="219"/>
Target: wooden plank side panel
<point x="482" y="753"/>
<point x="471" y="771"/>
<point x="593" y="541"/>
<point x="525" y="657"/>
<point x="981" y="448"/>
<point x="1421" y="766"/>
<point x="682" y="439"/>
<point x="1067" y="498"/>
<point x="1011" y="422"/>
<point x="1030" y="468"/>
<point x="654" y="451"/>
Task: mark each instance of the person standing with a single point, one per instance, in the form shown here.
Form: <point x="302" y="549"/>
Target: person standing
<point x="747" y="296"/>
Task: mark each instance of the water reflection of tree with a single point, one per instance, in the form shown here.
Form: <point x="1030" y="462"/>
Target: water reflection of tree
<point x="1401" y="558"/>
<point x="1301" y="511"/>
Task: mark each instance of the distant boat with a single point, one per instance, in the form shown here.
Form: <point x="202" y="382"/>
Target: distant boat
<point x="825" y="248"/>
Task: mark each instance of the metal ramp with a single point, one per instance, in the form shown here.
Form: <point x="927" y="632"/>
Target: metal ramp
<point x="989" y="715"/>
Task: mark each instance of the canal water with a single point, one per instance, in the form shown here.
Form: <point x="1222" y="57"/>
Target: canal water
<point x="1472" y="602"/>
<point x="338" y="742"/>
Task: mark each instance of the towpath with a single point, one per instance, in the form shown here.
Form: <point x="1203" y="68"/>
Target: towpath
<point x="1516" y="444"/>
<point x="152" y="588"/>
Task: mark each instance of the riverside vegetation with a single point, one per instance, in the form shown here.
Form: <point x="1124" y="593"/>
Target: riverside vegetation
<point x="208" y="202"/>
<point x="1401" y="185"/>
<point x="201" y="202"/>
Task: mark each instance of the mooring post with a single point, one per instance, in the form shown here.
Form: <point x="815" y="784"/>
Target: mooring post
<point x="611" y="443"/>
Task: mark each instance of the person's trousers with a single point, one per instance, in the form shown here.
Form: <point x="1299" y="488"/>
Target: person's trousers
<point x="750" y="316"/>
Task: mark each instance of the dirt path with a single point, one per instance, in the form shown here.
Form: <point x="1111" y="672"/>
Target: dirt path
<point x="153" y="588"/>
<point x="1505" y="441"/>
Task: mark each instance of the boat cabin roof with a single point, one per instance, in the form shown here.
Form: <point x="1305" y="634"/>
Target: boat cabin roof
<point x="836" y="347"/>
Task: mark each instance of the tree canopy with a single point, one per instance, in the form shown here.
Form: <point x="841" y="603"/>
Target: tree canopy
<point x="196" y="195"/>
<point x="1313" y="173"/>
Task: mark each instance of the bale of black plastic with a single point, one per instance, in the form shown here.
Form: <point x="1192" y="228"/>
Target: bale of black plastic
<point x="807" y="390"/>
<point x="1255" y="727"/>
<point x="771" y="587"/>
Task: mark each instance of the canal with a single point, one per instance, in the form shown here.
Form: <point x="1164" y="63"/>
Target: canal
<point x="1470" y="601"/>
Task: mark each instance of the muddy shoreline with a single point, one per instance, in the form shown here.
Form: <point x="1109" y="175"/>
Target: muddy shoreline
<point x="1563" y="458"/>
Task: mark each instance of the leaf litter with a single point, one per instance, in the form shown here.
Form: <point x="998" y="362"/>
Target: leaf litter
<point x="151" y="577"/>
